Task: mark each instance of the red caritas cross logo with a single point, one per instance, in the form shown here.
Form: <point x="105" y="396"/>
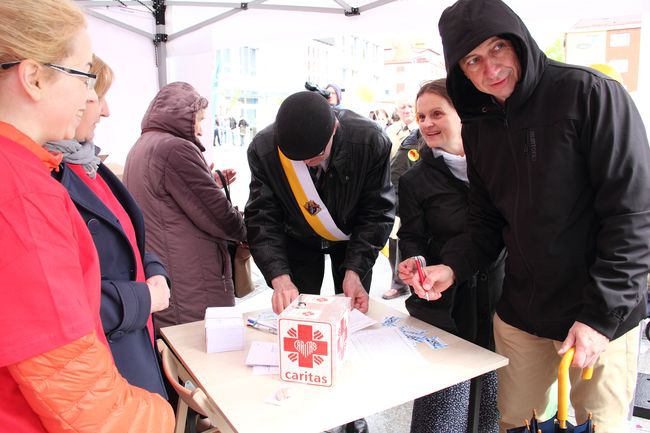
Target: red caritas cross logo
<point x="305" y="346"/>
<point x="342" y="338"/>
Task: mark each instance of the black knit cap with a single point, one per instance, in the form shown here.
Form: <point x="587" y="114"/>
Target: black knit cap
<point x="304" y="125"/>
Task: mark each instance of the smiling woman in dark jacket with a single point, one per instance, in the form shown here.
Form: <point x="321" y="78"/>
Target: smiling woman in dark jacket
<point x="134" y="282"/>
<point x="433" y="201"/>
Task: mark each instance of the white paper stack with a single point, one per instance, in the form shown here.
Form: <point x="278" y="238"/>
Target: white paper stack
<point x="224" y="329"/>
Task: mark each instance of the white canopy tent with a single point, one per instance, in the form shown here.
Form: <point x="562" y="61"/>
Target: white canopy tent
<point x="149" y="43"/>
<point x="217" y="11"/>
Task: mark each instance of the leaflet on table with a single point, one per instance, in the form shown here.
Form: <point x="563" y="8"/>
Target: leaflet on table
<point x="384" y="346"/>
<point x="357" y="319"/>
<point x="266" y="318"/>
<point x="263" y="353"/>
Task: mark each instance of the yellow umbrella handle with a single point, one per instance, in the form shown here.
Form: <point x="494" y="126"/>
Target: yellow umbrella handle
<point x="563" y="385"/>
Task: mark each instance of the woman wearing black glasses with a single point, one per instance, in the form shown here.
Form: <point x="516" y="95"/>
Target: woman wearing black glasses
<point x="56" y="371"/>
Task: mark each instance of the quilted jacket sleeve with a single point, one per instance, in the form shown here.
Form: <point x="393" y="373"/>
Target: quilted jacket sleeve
<point x="189" y="181"/>
<point x="77" y="388"/>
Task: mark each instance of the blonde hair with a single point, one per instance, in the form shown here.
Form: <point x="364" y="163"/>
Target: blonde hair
<point x="104" y="74"/>
<point x="41" y="30"/>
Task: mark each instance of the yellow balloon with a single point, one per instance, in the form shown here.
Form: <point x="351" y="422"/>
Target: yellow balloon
<point x="608" y="70"/>
<point x="365" y="93"/>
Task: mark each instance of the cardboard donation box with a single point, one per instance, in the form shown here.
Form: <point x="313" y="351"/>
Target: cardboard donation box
<point x="224" y="329"/>
<point x="313" y="332"/>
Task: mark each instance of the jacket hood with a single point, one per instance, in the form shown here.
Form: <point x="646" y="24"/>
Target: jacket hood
<point x="174" y="110"/>
<point x="465" y="25"/>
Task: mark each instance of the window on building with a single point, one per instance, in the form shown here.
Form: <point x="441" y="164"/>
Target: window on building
<point x="223" y="60"/>
<point x="621" y="65"/>
<point x="248" y="61"/>
<point x="619" y="40"/>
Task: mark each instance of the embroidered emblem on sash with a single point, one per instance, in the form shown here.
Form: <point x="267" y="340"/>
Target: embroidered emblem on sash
<point x="312" y="207"/>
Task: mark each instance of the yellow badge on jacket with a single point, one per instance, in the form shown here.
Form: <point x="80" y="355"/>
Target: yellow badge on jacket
<point x="413" y="155"/>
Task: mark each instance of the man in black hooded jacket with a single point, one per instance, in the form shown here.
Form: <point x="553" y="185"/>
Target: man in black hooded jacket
<point x="559" y="168"/>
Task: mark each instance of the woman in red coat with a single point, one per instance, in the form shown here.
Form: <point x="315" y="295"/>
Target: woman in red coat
<point x="134" y="282"/>
<point x="56" y="371"/>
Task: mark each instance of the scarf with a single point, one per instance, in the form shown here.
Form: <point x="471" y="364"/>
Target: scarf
<point x="456" y="164"/>
<point x="83" y="154"/>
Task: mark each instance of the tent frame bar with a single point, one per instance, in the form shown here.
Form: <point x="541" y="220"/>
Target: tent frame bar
<point x="159" y="7"/>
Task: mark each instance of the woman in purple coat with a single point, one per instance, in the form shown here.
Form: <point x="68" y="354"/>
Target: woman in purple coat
<point x="188" y="217"/>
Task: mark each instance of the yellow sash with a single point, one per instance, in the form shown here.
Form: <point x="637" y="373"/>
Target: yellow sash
<point x="311" y="205"/>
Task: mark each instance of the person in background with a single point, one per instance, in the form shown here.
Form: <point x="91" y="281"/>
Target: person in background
<point x="224" y="125"/>
<point x="559" y="165"/>
<point x="134" y="282"/>
<point x="381" y="117"/>
<point x="243" y="128"/>
<point x="433" y="208"/>
<point x="56" y="370"/>
<point x="232" y="124"/>
<point x="188" y="218"/>
<point x="400" y="129"/>
<point x="217" y="132"/>
<point x="336" y="96"/>
<point x="398" y="132"/>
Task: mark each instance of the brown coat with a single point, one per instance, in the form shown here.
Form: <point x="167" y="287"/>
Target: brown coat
<point x="187" y="217"/>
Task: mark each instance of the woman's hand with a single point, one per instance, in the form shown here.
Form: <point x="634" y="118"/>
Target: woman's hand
<point x="229" y="174"/>
<point x="159" y="292"/>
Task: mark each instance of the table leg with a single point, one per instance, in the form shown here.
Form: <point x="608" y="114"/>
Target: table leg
<point x="474" y="404"/>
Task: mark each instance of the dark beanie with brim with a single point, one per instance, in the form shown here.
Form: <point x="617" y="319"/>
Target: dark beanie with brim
<point x="304" y="125"/>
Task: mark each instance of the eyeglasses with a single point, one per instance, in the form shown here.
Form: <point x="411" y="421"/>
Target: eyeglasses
<point x="88" y="78"/>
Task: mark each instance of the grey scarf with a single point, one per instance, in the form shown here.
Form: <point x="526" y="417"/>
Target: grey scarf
<point x="84" y="154"/>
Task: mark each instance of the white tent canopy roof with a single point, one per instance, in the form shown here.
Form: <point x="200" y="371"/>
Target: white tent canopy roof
<point x="166" y="21"/>
<point x="189" y="16"/>
<point x="123" y="32"/>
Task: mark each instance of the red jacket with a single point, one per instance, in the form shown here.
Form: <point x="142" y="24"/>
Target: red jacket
<point x="56" y="375"/>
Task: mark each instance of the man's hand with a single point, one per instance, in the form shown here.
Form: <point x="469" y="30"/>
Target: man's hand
<point x="159" y="292"/>
<point x="437" y="279"/>
<point x="229" y="174"/>
<point x="284" y="292"/>
<point x="588" y="342"/>
<point x="352" y="288"/>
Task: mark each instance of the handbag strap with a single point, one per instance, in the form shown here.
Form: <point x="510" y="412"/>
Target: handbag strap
<point x="224" y="184"/>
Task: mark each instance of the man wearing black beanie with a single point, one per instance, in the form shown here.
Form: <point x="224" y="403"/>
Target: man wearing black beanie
<point x="320" y="184"/>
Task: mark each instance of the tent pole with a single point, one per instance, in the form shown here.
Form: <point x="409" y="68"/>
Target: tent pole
<point x="160" y="41"/>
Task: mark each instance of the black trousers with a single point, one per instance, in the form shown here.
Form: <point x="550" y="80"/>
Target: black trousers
<point x="307" y="263"/>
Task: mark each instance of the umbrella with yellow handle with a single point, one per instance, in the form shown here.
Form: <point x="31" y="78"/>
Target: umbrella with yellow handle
<point x="559" y="423"/>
